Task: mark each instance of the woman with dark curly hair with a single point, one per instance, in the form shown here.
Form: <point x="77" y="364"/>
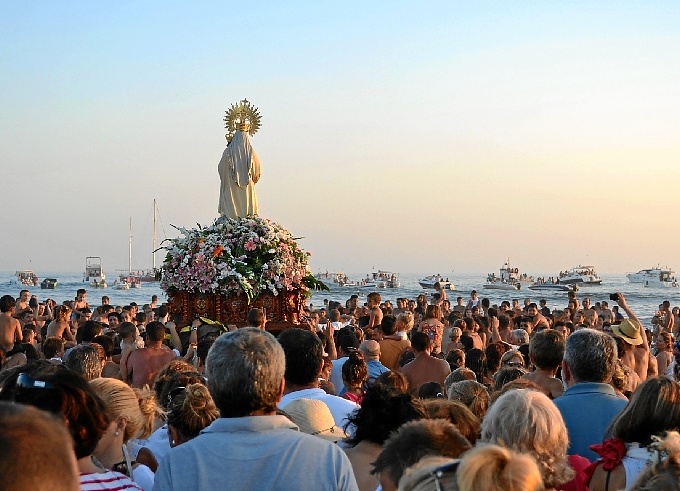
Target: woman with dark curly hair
<point x="382" y="411"/>
<point x="354" y="374"/>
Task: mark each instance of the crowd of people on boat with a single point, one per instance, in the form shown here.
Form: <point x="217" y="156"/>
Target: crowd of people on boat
<point x="426" y="394"/>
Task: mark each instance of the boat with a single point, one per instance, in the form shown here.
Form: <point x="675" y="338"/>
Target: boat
<point x="581" y="275"/>
<point x="553" y="287"/>
<point x="432" y="280"/>
<point x="25" y="277"/>
<point x="651" y="274"/>
<point x="386" y="279"/>
<point x="94" y="273"/>
<point x="150" y="275"/>
<point x="663" y="279"/>
<point x="508" y="278"/>
<point x="48" y="284"/>
<point x="125" y="282"/>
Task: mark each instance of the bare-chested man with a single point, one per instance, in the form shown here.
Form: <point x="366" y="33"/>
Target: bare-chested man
<point x="667" y="317"/>
<point x="538" y="320"/>
<point x="636" y="349"/>
<point x="375" y="314"/>
<point x="10" y="328"/>
<point x="589" y="314"/>
<point x="22" y="302"/>
<point x="60" y="326"/>
<point x="424" y="368"/>
<point x="143" y="364"/>
<point x="606" y="313"/>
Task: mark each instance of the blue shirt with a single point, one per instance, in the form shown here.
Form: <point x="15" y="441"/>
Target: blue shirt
<point x="255" y="452"/>
<point x="588" y="409"/>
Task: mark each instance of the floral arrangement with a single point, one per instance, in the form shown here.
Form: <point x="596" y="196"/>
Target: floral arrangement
<point x="249" y="255"/>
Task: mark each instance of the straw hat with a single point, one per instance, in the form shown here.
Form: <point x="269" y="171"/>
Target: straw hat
<point x="314" y="418"/>
<point x="628" y="331"/>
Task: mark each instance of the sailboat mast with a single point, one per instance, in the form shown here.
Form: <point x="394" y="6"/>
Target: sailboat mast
<point x="130" y="252"/>
<point x="154" y="235"/>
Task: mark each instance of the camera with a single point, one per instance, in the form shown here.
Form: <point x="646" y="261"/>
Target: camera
<point x="614" y="297"/>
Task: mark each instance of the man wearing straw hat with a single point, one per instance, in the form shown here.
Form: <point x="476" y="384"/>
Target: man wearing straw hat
<point x="636" y="349"/>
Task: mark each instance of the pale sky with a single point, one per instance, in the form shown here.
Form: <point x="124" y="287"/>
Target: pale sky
<point x="410" y="136"/>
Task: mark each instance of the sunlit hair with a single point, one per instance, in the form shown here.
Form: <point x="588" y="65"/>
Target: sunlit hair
<point x="663" y="475"/>
<point x="458" y="375"/>
<point x="527" y="421"/>
<point x="506" y="375"/>
<point x="495" y="468"/>
<point x="546" y="349"/>
<point x="191" y="410"/>
<point x="406" y="320"/>
<point x="668" y="339"/>
<point x="166" y="373"/>
<point x="457" y="413"/>
<point x="393" y="380"/>
<point x="84" y="360"/>
<point x="472" y="394"/>
<point x="621" y="376"/>
<point x="433" y="312"/>
<point x="63" y="313"/>
<point x="137" y="406"/>
<point x="653" y="408"/>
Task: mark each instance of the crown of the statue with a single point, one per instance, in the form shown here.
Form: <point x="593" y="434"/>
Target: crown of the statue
<point x="243" y="125"/>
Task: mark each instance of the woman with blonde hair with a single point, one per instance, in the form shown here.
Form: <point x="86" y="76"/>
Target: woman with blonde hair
<point x="527" y="421"/>
<point x="190" y="410"/>
<point x="496" y="468"/>
<point x="132" y="413"/>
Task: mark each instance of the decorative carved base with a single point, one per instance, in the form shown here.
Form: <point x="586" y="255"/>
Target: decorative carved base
<point x="283" y="310"/>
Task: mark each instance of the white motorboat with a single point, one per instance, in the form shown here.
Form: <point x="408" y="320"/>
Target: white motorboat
<point x="429" y="282"/>
<point x="25" y="277"/>
<point x="663" y="279"/>
<point x="509" y="278"/>
<point x="580" y="275"/>
<point x="94" y="273"/>
<point x="651" y="274"/>
<point x="499" y="285"/>
<point x="553" y="287"/>
<point x="386" y="279"/>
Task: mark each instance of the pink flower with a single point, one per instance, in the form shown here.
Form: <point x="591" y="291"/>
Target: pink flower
<point x="250" y="246"/>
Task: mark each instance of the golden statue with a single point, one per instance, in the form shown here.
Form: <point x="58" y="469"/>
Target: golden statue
<point x="239" y="168"/>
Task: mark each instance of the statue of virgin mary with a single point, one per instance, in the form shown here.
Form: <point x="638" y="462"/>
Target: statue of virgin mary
<point x="239" y="168"/>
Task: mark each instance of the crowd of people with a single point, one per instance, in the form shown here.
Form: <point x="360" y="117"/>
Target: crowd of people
<point x="421" y="395"/>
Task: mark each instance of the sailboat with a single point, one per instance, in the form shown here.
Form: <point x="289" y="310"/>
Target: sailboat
<point x="128" y="280"/>
<point x="149" y="276"/>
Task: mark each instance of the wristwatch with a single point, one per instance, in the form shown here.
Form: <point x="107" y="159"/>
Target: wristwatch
<point x="193" y="328"/>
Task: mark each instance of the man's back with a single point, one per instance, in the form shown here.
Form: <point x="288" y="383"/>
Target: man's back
<point x="143" y="364"/>
<point x="390" y="350"/>
<point x="255" y="452"/>
<point x="9" y="327"/>
<point x="425" y="368"/>
<point x="588" y="409"/>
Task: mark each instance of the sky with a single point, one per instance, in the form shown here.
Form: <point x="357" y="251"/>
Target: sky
<point x="413" y="137"/>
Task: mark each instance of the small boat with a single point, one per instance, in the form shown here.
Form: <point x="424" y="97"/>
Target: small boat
<point x="48" y="284"/>
<point x="663" y="279"/>
<point x="651" y="274"/>
<point x="25" y="277"/>
<point x="94" y="273"/>
<point x="553" y="287"/>
<point x="386" y="279"/>
<point x="432" y="280"/>
<point x="508" y="278"/>
<point x="581" y="275"/>
<point x="121" y="285"/>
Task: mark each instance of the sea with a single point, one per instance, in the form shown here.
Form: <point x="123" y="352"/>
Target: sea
<point x="642" y="300"/>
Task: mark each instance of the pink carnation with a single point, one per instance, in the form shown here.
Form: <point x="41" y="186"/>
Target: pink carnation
<point x="250" y="246"/>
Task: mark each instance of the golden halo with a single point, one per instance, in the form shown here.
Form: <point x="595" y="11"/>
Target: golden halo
<point x="241" y="116"/>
